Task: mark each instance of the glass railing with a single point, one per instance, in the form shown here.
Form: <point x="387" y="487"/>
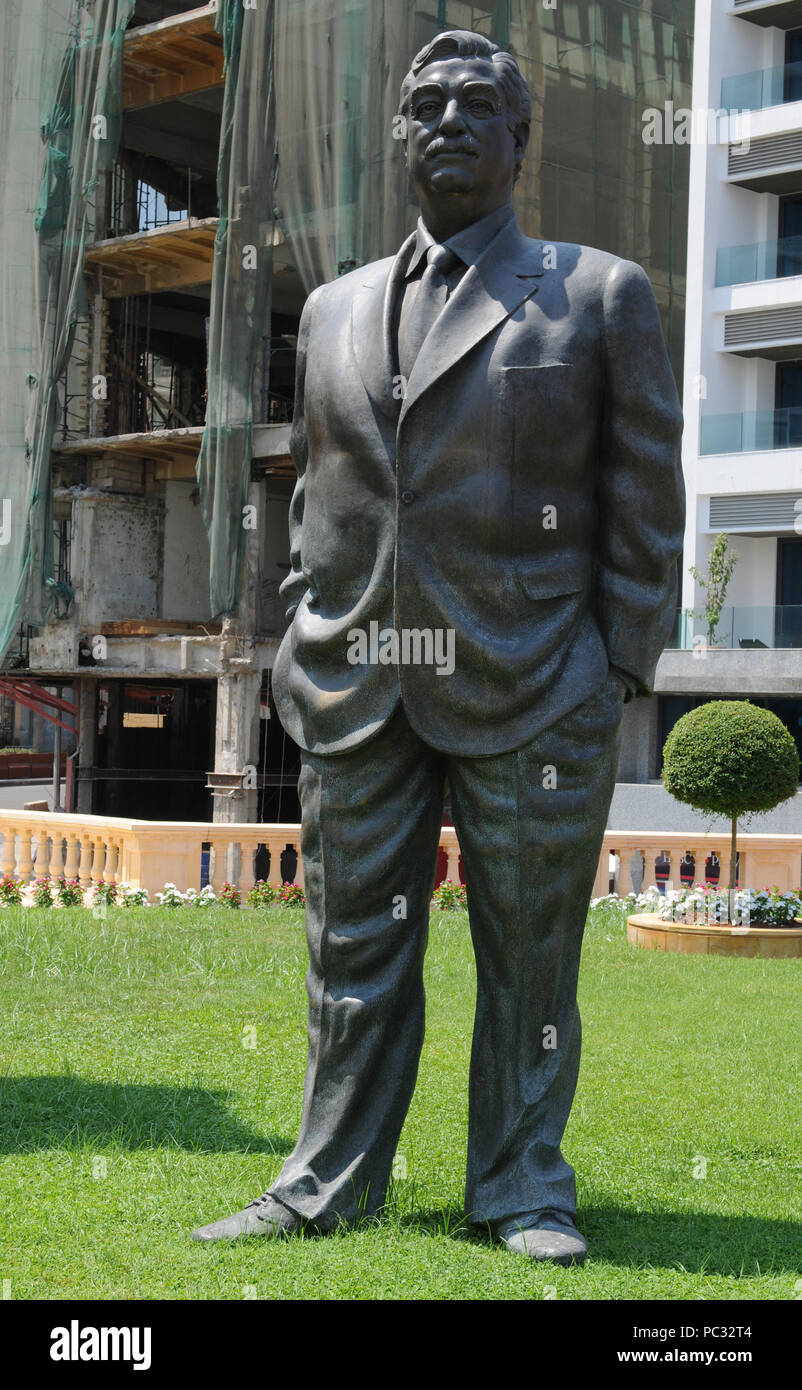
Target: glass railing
<point x="751" y="430"/>
<point x="754" y="91"/>
<point x="764" y="260"/>
<point x="743" y="628"/>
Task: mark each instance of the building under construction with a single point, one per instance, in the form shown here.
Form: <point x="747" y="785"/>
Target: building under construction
<point x="175" y="182"/>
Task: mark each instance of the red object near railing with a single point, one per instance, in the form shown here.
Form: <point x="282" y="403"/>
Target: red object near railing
<point x="16" y="766"/>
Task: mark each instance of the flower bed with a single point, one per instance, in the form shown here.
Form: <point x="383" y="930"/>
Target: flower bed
<point x="450" y="897"/>
<point x="762" y="907"/>
<point x="45" y="892"/>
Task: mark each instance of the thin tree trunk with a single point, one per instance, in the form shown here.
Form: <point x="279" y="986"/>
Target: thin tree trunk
<point x="734" y="824"/>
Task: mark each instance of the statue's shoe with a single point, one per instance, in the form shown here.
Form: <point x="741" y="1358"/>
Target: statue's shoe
<point x="544" y="1238"/>
<point x="263" y="1217"/>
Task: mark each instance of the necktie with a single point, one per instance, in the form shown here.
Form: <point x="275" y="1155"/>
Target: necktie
<point x="418" y="313"/>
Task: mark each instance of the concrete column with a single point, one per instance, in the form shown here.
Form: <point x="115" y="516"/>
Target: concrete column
<point x="87" y="733"/>
<point x="246" y="618"/>
<point x="639" y="733"/>
<point x="237" y="725"/>
<point x="236" y="745"/>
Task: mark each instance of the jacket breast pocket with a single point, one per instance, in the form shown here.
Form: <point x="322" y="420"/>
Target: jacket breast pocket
<point x="538" y="408"/>
<point x="540" y="384"/>
<point x="539" y="584"/>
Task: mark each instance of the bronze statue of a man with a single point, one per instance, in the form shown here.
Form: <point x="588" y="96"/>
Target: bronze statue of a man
<point x="484" y="539"/>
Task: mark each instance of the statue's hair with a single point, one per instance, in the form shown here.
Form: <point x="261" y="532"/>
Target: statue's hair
<point x="461" y="43"/>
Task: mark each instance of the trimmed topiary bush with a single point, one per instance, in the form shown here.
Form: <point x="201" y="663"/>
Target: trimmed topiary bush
<point x="730" y="758"/>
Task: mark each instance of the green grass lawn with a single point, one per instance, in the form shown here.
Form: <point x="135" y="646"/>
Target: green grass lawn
<point x="136" y="1101"/>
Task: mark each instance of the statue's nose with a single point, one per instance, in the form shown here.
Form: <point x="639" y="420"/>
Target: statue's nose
<point x="452" y="118"/>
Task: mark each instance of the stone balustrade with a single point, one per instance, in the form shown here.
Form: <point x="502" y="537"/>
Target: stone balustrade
<point x="764" y="860"/>
<point x="148" y="854"/>
<point x="145" y="854"/>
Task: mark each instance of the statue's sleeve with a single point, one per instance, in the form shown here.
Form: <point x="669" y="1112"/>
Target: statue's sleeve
<point x="295" y="585"/>
<point x="641" y="493"/>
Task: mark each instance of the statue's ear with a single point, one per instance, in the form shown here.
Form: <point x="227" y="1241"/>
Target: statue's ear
<point x="521" y="135"/>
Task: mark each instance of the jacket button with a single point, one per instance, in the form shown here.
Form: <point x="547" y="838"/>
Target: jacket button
<point x="407" y="496"/>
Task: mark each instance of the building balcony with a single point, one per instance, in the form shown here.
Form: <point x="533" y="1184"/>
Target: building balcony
<point x="759" y="317"/>
<point x="730" y="673"/>
<point x="751" y="431"/>
<point x="766" y="156"/>
<point x="174" y="57"/>
<point x="772" y="627"/>
<point x="755" y="91"/>
<point x="762" y="260"/>
<point x="170" y="257"/>
<point x="779" y="14"/>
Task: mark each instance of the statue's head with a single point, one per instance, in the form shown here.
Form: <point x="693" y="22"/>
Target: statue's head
<point x="467" y="110"/>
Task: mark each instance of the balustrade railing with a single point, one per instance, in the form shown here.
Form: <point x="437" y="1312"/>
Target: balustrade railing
<point x="676" y="858"/>
<point x="149" y="854"/>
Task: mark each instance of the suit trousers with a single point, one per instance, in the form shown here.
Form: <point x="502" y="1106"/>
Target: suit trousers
<point x="530" y="824"/>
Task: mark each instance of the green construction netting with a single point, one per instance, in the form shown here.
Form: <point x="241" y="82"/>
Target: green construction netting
<point x="308" y="138"/>
<point x="62" y="84"/>
<point x="341" y="187"/>
<point x="243" y="256"/>
<point x="340" y="190"/>
<point x="310" y="96"/>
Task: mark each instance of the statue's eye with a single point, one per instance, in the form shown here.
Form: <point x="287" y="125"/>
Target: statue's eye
<point x="426" y="110"/>
<point x="482" y="106"/>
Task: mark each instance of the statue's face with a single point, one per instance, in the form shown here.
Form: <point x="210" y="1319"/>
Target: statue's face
<point x="458" y="139"/>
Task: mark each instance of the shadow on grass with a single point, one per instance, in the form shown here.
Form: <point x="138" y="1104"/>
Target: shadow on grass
<point x="696" y="1242"/>
<point x="40" y="1112"/>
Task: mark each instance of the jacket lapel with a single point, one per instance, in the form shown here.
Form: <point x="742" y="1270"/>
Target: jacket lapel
<point x="504" y="276"/>
<point x="372" y="312"/>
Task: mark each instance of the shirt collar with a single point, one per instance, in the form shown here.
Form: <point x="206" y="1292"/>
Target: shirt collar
<point x="469" y="244"/>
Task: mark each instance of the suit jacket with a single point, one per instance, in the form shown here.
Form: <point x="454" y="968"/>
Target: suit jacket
<point x="526" y="491"/>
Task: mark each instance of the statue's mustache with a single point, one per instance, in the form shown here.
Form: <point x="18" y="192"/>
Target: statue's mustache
<point x="445" y="147"/>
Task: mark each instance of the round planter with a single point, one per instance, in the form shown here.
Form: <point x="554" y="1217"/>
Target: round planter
<point x="649" y="930"/>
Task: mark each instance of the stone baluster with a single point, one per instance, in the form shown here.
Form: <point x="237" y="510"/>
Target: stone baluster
<point x="601" y="883"/>
<point x="218" y="868"/>
<point x="247" y="849"/>
<point x="71" y="860"/>
<point x="8" y="864"/>
<point x="56" y="869"/>
<point x="40" y="862"/>
<point x="98" y="860"/>
<point x="110" y="862"/>
<point x="627" y="851"/>
<point x="24" y="863"/>
<point x="299" y="868"/>
<point x="85" y="862"/>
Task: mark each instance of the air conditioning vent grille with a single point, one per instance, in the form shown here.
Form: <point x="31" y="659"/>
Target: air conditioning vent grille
<point x="763" y="326"/>
<point x="767" y="152"/>
<point x="756" y="511"/>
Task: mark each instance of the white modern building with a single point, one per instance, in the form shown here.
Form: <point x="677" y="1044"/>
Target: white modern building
<point x="742" y="397"/>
